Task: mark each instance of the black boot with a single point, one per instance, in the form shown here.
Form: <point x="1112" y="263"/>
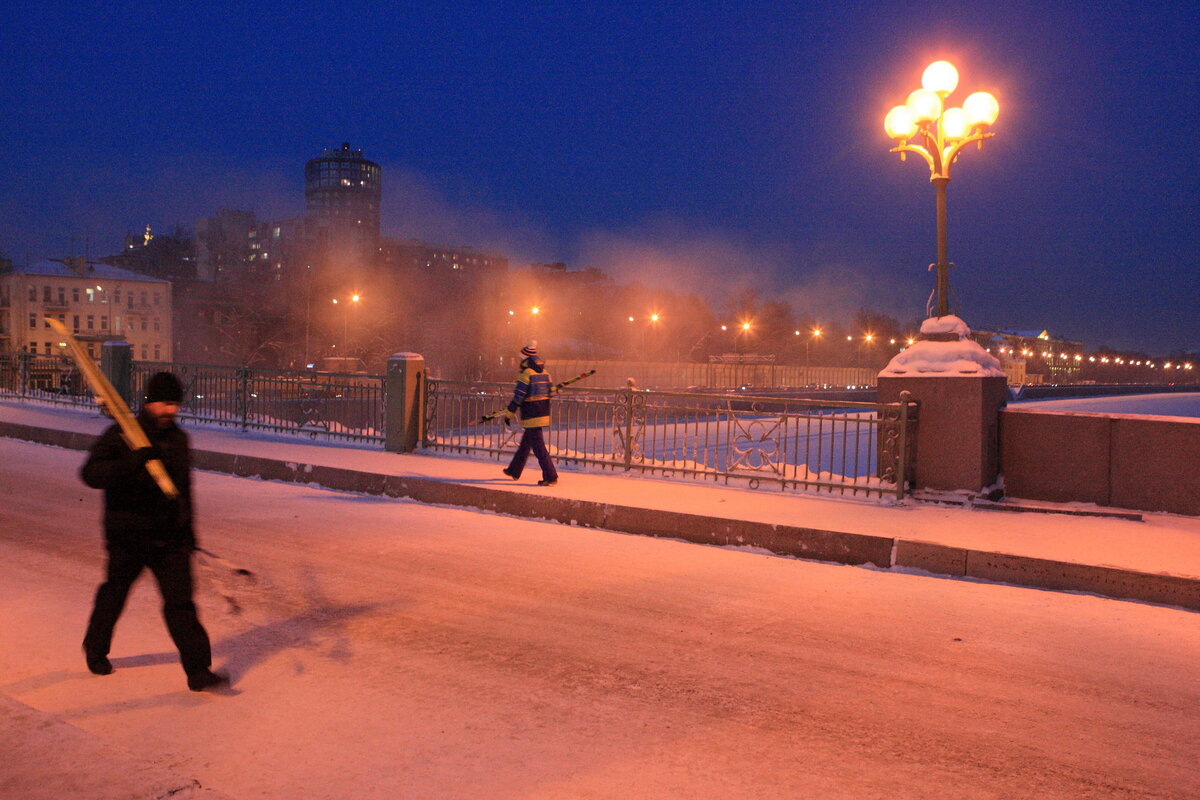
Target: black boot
<point x="206" y="679"/>
<point x="97" y="665"/>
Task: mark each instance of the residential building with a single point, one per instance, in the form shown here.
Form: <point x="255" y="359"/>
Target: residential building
<point x="98" y="302"/>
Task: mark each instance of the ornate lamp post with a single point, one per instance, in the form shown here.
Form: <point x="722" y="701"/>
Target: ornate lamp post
<point x="942" y="133"/>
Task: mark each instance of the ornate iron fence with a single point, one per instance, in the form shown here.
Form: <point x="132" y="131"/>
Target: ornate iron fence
<point x="328" y="405"/>
<point x="843" y="447"/>
<point x="48" y="378"/>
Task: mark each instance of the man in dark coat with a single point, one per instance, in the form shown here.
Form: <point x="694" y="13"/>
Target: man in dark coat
<point x="145" y="528"/>
<point x="531" y="398"/>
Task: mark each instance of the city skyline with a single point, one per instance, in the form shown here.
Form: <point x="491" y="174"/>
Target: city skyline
<point x="706" y="148"/>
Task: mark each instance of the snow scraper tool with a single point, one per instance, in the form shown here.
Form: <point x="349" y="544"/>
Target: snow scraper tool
<point x="557" y="387"/>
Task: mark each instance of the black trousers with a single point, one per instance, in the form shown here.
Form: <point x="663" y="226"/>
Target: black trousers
<point x="172" y="568"/>
<point x="533" y="440"/>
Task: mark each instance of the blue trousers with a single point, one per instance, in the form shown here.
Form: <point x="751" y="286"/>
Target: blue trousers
<point x="533" y="440"/>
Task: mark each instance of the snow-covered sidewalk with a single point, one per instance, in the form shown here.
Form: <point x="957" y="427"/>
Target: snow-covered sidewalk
<point x="1160" y="544"/>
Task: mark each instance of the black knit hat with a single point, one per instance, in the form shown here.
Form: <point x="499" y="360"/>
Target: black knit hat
<point x="163" y="387"/>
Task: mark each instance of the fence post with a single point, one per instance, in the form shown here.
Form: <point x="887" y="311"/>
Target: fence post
<point x="23" y="374"/>
<point x="116" y="362"/>
<point x="243" y="396"/>
<point x="629" y="390"/>
<point x="404" y="403"/>
<point x="902" y="466"/>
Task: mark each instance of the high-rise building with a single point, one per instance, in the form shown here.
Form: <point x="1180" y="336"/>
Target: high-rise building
<point x="342" y="195"/>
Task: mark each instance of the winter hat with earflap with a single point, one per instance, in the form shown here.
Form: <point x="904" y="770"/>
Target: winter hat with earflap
<point x="530" y="349"/>
<point x="164" y="387"/>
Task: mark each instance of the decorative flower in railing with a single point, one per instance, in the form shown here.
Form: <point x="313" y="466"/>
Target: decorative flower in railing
<point x="756" y="445"/>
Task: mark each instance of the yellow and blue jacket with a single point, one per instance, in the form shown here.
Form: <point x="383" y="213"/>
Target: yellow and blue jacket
<point x="532" y="394"/>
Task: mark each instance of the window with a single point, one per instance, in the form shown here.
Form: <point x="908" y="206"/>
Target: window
<point x="75" y="323"/>
<point x="91" y="322"/>
<point x="62" y="296"/>
<point x="48" y="348"/>
<point x="117" y="324"/>
<point x="104" y="322"/>
<point x="156" y="324"/>
<point x="45" y="294"/>
<point x="157" y="298"/>
<point x="117" y="296"/>
<point x="91" y="295"/>
<point x="158" y="352"/>
<point x="32" y="293"/>
<point x="33" y="320"/>
<point x="75" y="294"/>
<point x="144" y="299"/>
<point x="143" y="323"/>
<point x="45" y="323"/>
<point x="144" y="357"/>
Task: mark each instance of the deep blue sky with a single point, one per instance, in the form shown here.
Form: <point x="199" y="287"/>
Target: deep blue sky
<point x="704" y="145"/>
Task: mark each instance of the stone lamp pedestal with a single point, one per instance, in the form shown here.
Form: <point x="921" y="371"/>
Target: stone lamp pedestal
<point x="960" y="389"/>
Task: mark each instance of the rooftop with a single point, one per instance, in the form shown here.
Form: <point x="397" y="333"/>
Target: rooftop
<point x="54" y="269"/>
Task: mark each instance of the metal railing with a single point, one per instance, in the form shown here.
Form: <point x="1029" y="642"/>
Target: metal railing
<point x="327" y="405"/>
<point x="321" y="405"/>
<point x="845" y="447"/>
<point x="48" y="378"/>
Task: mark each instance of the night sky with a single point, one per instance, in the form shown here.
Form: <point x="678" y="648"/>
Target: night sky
<point x="710" y="146"/>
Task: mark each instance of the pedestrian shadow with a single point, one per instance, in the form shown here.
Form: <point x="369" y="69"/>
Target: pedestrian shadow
<point x="243" y="651"/>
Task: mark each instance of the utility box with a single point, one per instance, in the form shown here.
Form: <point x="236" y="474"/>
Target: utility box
<point x="404" y="402"/>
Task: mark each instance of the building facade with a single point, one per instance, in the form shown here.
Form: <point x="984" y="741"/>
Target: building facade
<point x="1047" y="358"/>
<point x="97" y="302"/>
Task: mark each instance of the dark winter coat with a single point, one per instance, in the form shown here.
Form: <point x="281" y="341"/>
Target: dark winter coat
<point x="532" y="394"/>
<point x="136" y="512"/>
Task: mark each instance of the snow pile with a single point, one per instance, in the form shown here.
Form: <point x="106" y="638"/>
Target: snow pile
<point x="949" y="359"/>
<point x="948" y="324"/>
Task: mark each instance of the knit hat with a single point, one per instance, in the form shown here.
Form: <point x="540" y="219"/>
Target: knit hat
<point x="164" y="387"/>
<point x="530" y="349"/>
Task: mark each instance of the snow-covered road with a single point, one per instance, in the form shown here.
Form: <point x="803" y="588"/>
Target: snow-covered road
<point x="394" y="650"/>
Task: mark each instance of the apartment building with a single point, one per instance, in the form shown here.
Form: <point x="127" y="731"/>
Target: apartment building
<point x="97" y="302"/>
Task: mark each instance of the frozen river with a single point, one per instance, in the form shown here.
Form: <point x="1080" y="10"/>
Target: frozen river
<point x="1168" y="405"/>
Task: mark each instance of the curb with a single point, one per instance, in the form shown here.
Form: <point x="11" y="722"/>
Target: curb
<point x="809" y="543"/>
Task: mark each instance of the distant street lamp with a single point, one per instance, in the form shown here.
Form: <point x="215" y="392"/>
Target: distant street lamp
<point x="353" y="300"/>
<point x="816" y="334"/>
<point x="944" y="132"/>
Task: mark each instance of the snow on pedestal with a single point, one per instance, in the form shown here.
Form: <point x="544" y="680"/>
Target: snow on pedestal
<point x="960" y="356"/>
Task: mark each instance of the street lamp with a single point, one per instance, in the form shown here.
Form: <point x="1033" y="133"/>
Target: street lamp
<point x="353" y="300"/>
<point x="944" y="132"/>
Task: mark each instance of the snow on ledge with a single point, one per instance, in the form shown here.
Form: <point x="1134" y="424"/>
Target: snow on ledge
<point x="946" y="359"/>
<point x="947" y="324"/>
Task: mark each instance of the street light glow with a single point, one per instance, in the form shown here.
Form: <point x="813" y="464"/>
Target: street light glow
<point x="940" y="77"/>
<point x="943" y="133"/>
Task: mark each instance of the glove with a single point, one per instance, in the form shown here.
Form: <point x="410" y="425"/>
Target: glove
<point x="508" y="418"/>
<point x="144" y="454"/>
